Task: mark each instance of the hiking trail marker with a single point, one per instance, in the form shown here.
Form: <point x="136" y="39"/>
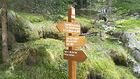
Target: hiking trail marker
<point x="76" y="55"/>
<point x="72" y="42"/>
<point x="69" y="27"/>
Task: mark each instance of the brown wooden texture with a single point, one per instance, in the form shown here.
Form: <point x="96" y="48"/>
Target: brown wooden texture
<point x="69" y="27"/>
<point x="75" y="41"/>
<point x="71" y="63"/>
<point x="71" y="14"/>
<point x="76" y="55"/>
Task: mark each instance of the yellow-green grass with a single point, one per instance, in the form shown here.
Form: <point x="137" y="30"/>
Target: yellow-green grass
<point x="125" y="72"/>
<point x="128" y="25"/>
<point x="32" y="17"/>
<point x="138" y="36"/>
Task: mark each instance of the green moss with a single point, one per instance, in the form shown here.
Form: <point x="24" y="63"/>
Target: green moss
<point x="138" y="37"/>
<point x="43" y="28"/>
<point x="85" y="22"/>
<point x="102" y="64"/>
<point x="124" y="6"/>
<point x="128" y="25"/>
<point x="32" y="17"/>
<point x="125" y="73"/>
<point x="50" y="62"/>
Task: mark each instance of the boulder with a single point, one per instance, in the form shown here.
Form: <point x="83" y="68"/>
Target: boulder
<point x="130" y="41"/>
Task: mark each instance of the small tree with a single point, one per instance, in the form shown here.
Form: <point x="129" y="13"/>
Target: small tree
<point x="4" y="20"/>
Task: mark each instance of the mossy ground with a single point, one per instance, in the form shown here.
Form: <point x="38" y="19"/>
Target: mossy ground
<point x="131" y="25"/>
<point x="51" y="65"/>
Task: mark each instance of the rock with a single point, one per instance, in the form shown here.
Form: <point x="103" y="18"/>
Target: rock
<point x="118" y="57"/>
<point x="20" y="27"/>
<point x="131" y="42"/>
<point x="136" y="54"/>
<point x="136" y="15"/>
<point x="106" y="26"/>
<point x="136" y="69"/>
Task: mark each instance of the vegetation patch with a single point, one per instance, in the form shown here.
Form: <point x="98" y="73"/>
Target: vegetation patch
<point x="127" y="25"/>
<point x="125" y="73"/>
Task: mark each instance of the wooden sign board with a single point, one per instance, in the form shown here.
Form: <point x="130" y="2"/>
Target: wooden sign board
<point x="69" y="27"/>
<point x="76" y="55"/>
<point x="75" y="41"/>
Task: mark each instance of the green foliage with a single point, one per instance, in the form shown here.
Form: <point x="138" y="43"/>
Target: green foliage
<point x="33" y="18"/>
<point x="125" y="73"/>
<point x="102" y="64"/>
<point x="128" y="25"/>
<point x="124" y="6"/>
<point x="19" y="27"/>
<point x="42" y="27"/>
<point x="50" y="9"/>
<point x="86" y="23"/>
<point x="50" y="63"/>
<point x="138" y="36"/>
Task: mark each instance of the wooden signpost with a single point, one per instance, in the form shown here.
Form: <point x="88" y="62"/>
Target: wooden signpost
<point x="76" y="55"/>
<point x="75" y="41"/>
<point x="72" y="41"/>
<point x="69" y="27"/>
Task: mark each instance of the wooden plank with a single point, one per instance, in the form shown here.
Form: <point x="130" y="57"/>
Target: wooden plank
<point x="75" y="41"/>
<point x="76" y="55"/>
<point x="69" y="27"/>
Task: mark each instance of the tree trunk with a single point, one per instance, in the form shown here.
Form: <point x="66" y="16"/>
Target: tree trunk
<point x="109" y="7"/>
<point x="4" y="20"/>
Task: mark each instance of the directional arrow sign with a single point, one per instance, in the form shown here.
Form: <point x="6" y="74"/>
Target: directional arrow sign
<point x="76" y="55"/>
<point x="69" y="27"/>
<point x="75" y="41"/>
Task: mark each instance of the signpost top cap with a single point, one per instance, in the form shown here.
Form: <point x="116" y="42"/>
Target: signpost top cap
<point x="71" y="6"/>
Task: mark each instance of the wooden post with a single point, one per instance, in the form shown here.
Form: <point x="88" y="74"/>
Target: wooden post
<point x="72" y="41"/>
<point x="71" y="63"/>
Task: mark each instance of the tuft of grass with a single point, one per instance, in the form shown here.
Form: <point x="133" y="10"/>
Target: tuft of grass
<point x="84" y="21"/>
<point x="50" y="63"/>
<point x="138" y="36"/>
<point x="102" y="65"/>
<point x="41" y="27"/>
<point x="33" y="18"/>
<point x="128" y="25"/>
<point x="125" y="73"/>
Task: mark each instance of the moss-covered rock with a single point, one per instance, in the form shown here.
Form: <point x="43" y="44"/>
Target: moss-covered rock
<point x="50" y="63"/>
<point x="19" y="27"/>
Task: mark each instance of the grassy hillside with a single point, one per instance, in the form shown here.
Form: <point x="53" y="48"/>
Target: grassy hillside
<point x="47" y="54"/>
